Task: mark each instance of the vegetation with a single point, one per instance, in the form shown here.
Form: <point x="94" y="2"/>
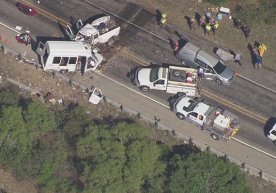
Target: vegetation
<point x="262" y="13"/>
<point x="67" y="152"/>
<point x="217" y="2"/>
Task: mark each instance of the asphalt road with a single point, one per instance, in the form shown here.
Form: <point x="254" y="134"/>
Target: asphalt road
<point x="151" y="49"/>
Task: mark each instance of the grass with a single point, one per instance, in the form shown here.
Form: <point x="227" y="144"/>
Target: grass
<point x="262" y="29"/>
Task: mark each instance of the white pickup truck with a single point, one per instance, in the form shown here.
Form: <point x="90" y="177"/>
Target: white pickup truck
<point x="270" y="129"/>
<point x="101" y="30"/>
<point x="221" y="124"/>
<point x="172" y="79"/>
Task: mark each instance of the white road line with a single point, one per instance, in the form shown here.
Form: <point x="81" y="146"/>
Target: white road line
<point x="241" y="76"/>
<point x="167" y="41"/>
<point x="134" y="90"/>
<point x="257" y="149"/>
<point x="9" y="27"/>
<point x="272" y="156"/>
<point x="235" y="139"/>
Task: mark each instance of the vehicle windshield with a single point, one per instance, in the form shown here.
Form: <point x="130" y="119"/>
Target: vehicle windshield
<point x="219" y="67"/>
<point x="191" y="106"/>
<point x="154" y="74"/>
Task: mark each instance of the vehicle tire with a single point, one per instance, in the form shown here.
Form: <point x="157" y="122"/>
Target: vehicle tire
<point x="181" y="94"/>
<point x="110" y="42"/>
<point x="214" y="136"/>
<point x="144" y="88"/>
<point x="180" y="116"/>
<point x="184" y="63"/>
<point x="176" y="73"/>
<point x="218" y="81"/>
<point x="63" y="71"/>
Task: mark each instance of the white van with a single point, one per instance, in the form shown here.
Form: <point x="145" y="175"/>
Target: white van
<point x="68" y="56"/>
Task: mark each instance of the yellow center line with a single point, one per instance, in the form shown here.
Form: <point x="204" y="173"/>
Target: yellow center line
<point x="46" y="13"/>
<point x="211" y="95"/>
<point x="143" y="62"/>
<point x="235" y="107"/>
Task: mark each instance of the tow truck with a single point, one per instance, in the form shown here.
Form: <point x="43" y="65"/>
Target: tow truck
<point x="220" y="123"/>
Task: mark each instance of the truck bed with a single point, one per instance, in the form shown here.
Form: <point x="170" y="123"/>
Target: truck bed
<point x="182" y="75"/>
<point x="224" y="124"/>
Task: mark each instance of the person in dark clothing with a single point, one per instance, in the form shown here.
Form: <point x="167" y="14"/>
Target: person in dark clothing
<point x="246" y="30"/>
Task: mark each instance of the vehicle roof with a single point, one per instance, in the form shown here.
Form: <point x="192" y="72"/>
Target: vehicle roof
<point x="190" y="50"/>
<point x="88" y="30"/>
<point x="201" y="108"/>
<point x="68" y="48"/>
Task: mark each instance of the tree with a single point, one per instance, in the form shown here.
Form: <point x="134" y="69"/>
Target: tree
<point x="117" y="158"/>
<point x="38" y="118"/>
<point x="203" y="172"/>
<point x="8" y="98"/>
<point x="13" y="135"/>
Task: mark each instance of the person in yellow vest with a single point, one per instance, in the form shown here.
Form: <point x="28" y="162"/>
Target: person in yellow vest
<point x="215" y="27"/>
<point x="163" y="20"/>
<point x="262" y="49"/>
<point x="208" y="28"/>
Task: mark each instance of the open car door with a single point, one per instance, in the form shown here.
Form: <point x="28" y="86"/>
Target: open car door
<point x="40" y="49"/>
<point x="79" y="24"/>
<point x="69" y="32"/>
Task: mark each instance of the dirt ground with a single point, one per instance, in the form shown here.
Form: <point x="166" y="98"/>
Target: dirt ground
<point x="178" y="9"/>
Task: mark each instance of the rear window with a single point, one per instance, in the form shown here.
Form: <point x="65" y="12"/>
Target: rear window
<point x="219" y="67"/>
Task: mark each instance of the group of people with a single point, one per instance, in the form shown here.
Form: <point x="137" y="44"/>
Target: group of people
<point x="258" y="52"/>
<point x="210" y="22"/>
<point x="206" y="21"/>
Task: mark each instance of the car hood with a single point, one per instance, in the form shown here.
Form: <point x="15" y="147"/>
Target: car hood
<point x="227" y="73"/>
<point x="143" y="76"/>
<point x="180" y="103"/>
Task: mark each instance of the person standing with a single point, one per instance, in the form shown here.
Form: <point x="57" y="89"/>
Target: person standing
<point x="163" y="20"/>
<point x="192" y="23"/>
<point x="246" y="30"/>
<point x="238" y="24"/>
<point x="202" y="20"/>
<point x="200" y="73"/>
<point x="259" y="61"/>
<point x="214" y="26"/>
<point x="262" y="49"/>
<point x="208" y="28"/>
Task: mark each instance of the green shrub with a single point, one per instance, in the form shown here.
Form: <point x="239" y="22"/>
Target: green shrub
<point x="263" y="13"/>
<point x="217" y="2"/>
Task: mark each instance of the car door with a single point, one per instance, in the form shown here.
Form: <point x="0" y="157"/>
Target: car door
<point x="40" y="49"/>
<point x="159" y="84"/>
<point x="79" y="24"/>
<point x="209" y="73"/>
<point x="69" y="32"/>
<point x="192" y="117"/>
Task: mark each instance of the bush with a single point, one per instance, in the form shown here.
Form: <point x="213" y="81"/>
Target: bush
<point x="263" y="13"/>
<point x="217" y="2"/>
